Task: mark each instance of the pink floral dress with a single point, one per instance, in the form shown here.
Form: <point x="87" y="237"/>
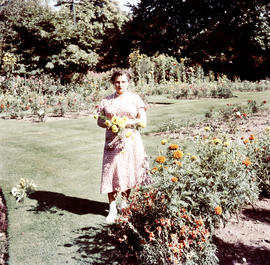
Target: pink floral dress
<point x="125" y="166"/>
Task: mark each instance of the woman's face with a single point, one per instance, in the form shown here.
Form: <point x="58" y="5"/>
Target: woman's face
<point x="120" y="84"/>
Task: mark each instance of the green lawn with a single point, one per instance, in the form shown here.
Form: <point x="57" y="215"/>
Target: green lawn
<point x="64" y="159"/>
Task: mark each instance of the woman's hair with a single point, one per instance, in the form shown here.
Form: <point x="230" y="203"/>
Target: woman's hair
<point x="119" y="73"/>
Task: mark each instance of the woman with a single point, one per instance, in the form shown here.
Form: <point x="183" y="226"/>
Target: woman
<point x="124" y="163"/>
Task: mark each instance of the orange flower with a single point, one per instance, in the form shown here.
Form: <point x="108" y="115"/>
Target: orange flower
<point x="199" y="222"/>
<point x="246" y="141"/>
<point x="154" y="169"/>
<point x="178" y="163"/>
<point x="246" y="162"/>
<point x="174" y="179"/>
<point x="161" y="159"/>
<point x="218" y="210"/>
<point x="251" y="137"/>
<point x="2" y="106"/>
<point x="173" y="146"/>
<point x="178" y="154"/>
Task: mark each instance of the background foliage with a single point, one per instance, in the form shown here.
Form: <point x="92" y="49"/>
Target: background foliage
<point x="229" y="37"/>
<point x="45" y="41"/>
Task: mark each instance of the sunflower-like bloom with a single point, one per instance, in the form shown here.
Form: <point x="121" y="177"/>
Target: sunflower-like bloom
<point x="108" y="123"/>
<point x="115" y="120"/>
<point x="164" y="141"/>
<point x="193" y="158"/>
<point x="178" y="154"/>
<point x="217" y="141"/>
<point x="218" y="210"/>
<point x="226" y="144"/>
<point x="122" y="123"/>
<point x="173" y="146"/>
<point x="174" y="179"/>
<point x="128" y="133"/>
<point x="161" y="159"/>
<point x="115" y="129"/>
<point x="246" y="162"/>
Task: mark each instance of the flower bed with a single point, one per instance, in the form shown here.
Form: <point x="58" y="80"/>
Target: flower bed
<point x="174" y="220"/>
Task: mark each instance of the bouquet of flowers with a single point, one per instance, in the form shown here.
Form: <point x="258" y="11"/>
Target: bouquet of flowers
<point x="24" y="188"/>
<point x="117" y="125"/>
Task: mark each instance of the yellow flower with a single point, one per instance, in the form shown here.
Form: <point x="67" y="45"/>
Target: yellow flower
<point x="125" y="118"/>
<point x="128" y="133"/>
<point x="217" y="141"/>
<point x="95" y="116"/>
<point x="142" y="124"/>
<point x="267" y="129"/>
<point x="164" y="141"/>
<point x="193" y="158"/>
<point x="121" y="123"/>
<point x="207" y="129"/>
<point x="115" y="129"/>
<point x="115" y="120"/>
<point x="226" y="144"/>
<point x="22" y="182"/>
<point x="108" y="123"/>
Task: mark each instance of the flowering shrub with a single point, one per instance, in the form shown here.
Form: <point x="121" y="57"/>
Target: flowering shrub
<point x="41" y="97"/>
<point x="258" y="151"/>
<point x="173" y="221"/>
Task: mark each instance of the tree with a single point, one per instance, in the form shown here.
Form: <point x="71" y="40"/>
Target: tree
<point x="227" y="36"/>
<point x="47" y="41"/>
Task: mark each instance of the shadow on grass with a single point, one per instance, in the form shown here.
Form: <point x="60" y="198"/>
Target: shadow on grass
<point x="230" y="254"/>
<point x="47" y="201"/>
<point x="97" y="245"/>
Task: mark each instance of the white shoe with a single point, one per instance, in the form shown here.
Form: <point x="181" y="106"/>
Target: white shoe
<point x="112" y="213"/>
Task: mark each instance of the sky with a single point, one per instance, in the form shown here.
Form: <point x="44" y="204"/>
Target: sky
<point x="123" y="2"/>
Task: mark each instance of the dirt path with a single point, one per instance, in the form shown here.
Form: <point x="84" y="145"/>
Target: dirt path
<point x="247" y="240"/>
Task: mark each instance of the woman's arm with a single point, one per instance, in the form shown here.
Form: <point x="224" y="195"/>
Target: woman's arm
<point x="141" y="117"/>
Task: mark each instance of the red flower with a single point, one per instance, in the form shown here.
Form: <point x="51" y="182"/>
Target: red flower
<point x="264" y="102"/>
<point x="251" y="137"/>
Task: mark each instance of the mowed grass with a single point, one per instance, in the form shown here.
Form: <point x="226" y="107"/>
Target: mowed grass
<point x="64" y="159"/>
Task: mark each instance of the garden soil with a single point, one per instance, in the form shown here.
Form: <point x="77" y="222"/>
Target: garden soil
<point x="245" y="239"/>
